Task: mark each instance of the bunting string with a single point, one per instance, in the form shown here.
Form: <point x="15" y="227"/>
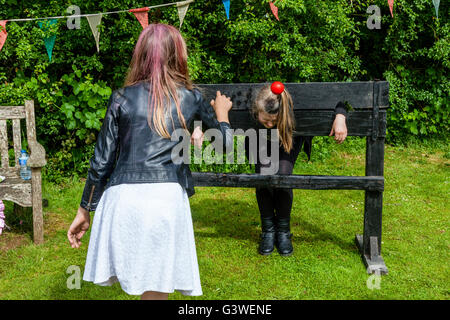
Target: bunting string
<point x="94" y="14"/>
<point x="141" y="14"/>
<point x="94" y="20"/>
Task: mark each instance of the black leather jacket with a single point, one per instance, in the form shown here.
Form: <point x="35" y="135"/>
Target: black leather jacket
<point x="128" y="151"/>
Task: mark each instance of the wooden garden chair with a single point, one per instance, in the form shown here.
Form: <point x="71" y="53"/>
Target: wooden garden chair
<point x="24" y="193"/>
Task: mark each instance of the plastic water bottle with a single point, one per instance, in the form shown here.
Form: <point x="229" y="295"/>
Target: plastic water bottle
<point x="25" y="171"/>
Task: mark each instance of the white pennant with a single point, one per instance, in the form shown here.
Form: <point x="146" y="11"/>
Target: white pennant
<point x="94" y="22"/>
<point x="436" y="7"/>
<point x="182" y="10"/>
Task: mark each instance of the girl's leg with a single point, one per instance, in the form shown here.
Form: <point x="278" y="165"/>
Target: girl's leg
<point x="154" y="295"/>
<point x="284" y="198"/>
<point x="265" y="199"/>
<point x="266" y="205"/>
<point x="264" y="196"/>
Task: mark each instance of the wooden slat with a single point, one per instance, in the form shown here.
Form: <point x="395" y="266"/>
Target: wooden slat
<point x="17" y="190"/>
<point x="15" y="112"/>
<point x="31" y="126"/>
<point x="211" y="179"/>
<point x="318" y="123"/>
<point x="4" y="144"/>
<point x="9" y="173"/>
<point x="308" y="95"/>
<point x="17" y="140"/>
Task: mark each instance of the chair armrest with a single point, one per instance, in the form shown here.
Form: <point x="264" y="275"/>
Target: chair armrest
<point x="37" y="155"/>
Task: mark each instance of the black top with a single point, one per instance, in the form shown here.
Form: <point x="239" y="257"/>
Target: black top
<point x="307" y="140"/>
<point x="129" y="151"/>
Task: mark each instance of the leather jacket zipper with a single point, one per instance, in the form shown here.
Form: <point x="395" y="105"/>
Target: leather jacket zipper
<point x="90" y="198"/>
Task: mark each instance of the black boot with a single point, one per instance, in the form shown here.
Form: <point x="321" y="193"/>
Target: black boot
<point x="267" y="242"/>
<point x="283" y="237"/>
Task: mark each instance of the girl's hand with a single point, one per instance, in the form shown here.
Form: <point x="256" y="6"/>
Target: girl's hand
<point x="197" y="137"/>
<point x="339" y="129"/>
<point x="222" y="104"/>
<point x="78" y="227"/>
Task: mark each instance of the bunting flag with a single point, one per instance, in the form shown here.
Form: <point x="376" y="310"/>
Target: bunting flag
<point x="182" y="10"/>
<point x="3" y="33"/>
<point x="94" y="22"/>
<point x="435" y="2"/>
<point x="142" y="15"/>
<point x="50" y="40"/>
<point x="274" y="9"/>
<point x="391" y="7"/>
<point x="226" y="4"/>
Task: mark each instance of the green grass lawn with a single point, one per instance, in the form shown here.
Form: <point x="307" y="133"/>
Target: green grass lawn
<point x="325" y="265"/>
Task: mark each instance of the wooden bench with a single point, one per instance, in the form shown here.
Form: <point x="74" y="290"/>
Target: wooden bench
<point x="314" y="105"/>
<point x="24" y="193"/>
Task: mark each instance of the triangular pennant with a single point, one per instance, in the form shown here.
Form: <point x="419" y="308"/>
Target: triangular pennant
<point x="50" y="40"/>
<point x="3" y="33"/>
<point x="142" y="15"/>
<point x="391" y="7"/>
<point x="182" y="9"/>
<point x="274" y="10"/>
<point x="94" y="22"/>
<point x="226" y="4"/>
<point x="436" y="7"/>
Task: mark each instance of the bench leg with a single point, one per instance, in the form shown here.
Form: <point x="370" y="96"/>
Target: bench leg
<point x="36" y="192"/>
<point x="369" y="243"/>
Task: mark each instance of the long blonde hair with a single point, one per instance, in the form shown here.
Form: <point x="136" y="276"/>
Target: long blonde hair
<point x="268" y="102"/>
<point x="160" y="58"/>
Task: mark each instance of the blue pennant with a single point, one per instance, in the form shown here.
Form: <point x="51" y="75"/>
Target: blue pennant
<point x="226" y="4"/>
<point x="50" y="40"/>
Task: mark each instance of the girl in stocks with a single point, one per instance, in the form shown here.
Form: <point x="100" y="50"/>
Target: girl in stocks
<point x="142" y="234"/>
<point x="273" y="109"/>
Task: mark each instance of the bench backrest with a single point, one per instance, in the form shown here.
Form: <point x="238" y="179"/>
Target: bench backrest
<point x="314" y="104"/>
<point x="15" y="114"/>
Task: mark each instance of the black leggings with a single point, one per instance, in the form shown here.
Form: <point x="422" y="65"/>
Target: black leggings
<point x="277" y="202"/>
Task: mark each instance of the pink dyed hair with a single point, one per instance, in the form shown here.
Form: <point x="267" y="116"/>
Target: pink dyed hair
<point x="160" y="58"/>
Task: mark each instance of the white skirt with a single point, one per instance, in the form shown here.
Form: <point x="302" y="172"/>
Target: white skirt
<point x="142" y="236"/>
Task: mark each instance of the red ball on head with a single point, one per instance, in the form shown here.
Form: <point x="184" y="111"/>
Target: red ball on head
<point x="277" y="87"/>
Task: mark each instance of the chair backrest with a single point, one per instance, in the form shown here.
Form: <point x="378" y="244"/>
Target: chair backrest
<point x="15" y="114"/>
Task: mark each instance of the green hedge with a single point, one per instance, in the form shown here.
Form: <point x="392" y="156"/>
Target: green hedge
<point x="313" y="41"/>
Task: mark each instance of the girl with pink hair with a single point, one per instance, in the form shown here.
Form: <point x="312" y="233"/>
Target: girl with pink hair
<point x="142" y="235"/>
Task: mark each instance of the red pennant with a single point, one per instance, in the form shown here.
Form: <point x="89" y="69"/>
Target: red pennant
<point x="274" y="10"/>
<point x="391" y="7"/>
<point x="142" y="15"/>
<point x="3" y="33"/>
